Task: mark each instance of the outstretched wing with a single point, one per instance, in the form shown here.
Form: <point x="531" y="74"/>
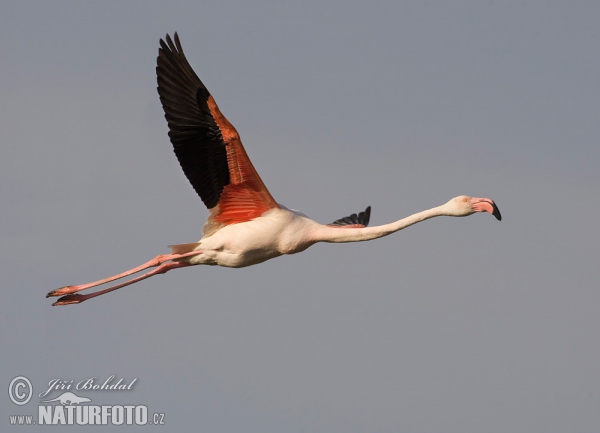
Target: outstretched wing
<point x="354" y="221"/>
<point x="207" y="146"/>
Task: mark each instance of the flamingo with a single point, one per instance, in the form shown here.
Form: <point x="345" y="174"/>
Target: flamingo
<point x="246" y="226"/>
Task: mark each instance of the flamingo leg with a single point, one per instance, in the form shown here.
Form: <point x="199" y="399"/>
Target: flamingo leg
<point x="78" y="298"/>
<point x="156" y="261"/>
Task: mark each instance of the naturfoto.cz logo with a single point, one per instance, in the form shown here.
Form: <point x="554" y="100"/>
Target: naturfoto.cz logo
<point x="71" y="408"/>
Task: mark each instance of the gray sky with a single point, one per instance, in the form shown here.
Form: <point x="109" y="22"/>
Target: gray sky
<point x="453" y="325"/>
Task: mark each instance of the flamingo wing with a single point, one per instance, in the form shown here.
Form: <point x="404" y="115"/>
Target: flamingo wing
<point x="207" y="146"/>
<point x="354" y="220"/>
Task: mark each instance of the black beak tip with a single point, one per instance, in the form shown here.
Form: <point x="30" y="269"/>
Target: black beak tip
<point x="496" y="213"/>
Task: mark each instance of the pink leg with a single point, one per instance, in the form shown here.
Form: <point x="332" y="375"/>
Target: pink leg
<point x="78" y="298"/>
<point x="156" y="261"/>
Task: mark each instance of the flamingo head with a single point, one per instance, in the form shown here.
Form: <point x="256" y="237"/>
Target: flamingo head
<point x="464" y="205"/>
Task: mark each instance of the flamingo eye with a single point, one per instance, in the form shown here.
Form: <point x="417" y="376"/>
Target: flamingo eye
<point x="464" y="200"/>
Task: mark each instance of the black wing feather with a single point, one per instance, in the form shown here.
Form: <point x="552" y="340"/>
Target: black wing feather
<point x="360" y="219"/>
<point x="196" y="138"/>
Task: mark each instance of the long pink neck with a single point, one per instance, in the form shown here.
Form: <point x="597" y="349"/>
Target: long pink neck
<point x="341" y="234"/>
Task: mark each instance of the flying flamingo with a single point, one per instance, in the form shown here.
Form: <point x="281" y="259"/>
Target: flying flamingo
<point x="245" y="226"/>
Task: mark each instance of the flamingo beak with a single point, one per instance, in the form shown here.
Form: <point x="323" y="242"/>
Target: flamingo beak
<point x="486" y="205"/>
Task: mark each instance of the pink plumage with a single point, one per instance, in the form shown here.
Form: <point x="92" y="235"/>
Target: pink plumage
<point x="245" y="226"/>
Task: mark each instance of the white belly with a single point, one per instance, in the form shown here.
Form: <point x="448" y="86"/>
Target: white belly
<point x="277" y="232"/>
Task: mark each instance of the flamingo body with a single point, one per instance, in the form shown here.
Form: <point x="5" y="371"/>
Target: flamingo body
<point x="278" y="231"/>
<point x="245" y="225"/>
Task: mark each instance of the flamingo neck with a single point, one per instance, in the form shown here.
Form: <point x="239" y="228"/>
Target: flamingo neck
<point x="341" y="234"/>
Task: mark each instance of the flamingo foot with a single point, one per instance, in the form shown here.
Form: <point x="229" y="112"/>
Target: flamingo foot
<point x="65" y="290"/>
<point x="70" y="299"/>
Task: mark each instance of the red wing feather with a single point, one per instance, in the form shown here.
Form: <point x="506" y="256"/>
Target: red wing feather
<point x="245" y="197"/>
<point x="207" y="146"/>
